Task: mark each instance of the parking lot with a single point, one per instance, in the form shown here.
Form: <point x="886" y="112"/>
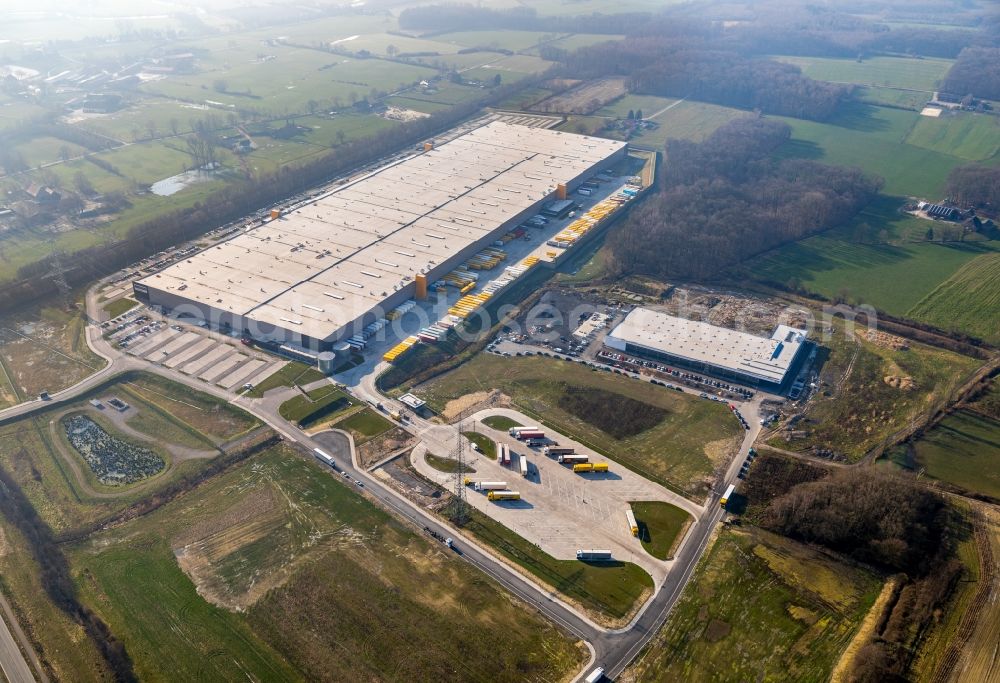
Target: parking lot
<point x="561" y="511"/>
<point x="190" y="350"/>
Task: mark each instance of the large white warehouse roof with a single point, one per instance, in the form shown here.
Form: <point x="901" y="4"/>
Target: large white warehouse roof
<point x="761" y="358"/>
<point x="322" y="266"/>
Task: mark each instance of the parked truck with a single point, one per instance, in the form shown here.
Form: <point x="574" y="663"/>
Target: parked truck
<point x="573" y="458"/>
<point x="503" y="495"/>
<point x="600" y="467"/>
<point x="558" y="450"/>
<point x="514" y="431"/>
<point x="727" y="495"/>
<point x="592" y="555"/>
<point x="633" y="527"/>
<point x="526" y="434"/>
<point x="506" y="455"/>
<point x="595" y="676"/>
<point x="490" y="485"/>
<point x="524" y="465"/>
<point x="582" y="467"/>
<point x="324" y="457"/>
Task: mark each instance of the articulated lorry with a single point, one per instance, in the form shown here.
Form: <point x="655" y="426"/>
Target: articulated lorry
<point x="503" y="495"/>
<point x="590" y="467"/>
<point x="572" y="459"/>
<point x="558" y="450"/>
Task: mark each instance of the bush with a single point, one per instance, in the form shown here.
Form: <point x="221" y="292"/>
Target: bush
<point x="870" y="515"/>
<point x="614" y="414"/>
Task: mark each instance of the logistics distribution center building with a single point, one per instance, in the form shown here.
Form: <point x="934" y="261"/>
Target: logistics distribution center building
<point x="312" y="276"/>
<point x="701" y="346"/>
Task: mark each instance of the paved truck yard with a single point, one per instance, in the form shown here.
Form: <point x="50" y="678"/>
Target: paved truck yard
<point x="561" y="511"/>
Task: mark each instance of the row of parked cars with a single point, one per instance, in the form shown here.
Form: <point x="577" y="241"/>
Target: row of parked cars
<point x="687" y="376"/>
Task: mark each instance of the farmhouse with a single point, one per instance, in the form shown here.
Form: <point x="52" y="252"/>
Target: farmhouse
<point x="323" y="271"/>
<point x="719" y="351"/>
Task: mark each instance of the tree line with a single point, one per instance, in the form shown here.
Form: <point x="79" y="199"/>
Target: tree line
<point x="976" y="186"/>
<point x="726" y="199"/>
<point x="658" y="66"/>
<point x="773" y="27"/>
<point x="976" y="72"/>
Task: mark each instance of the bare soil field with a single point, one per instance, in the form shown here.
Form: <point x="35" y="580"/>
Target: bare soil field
<point x="585" y="98"/>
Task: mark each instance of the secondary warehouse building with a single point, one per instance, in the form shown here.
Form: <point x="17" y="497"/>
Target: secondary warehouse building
<point x="759" y="361"/>
<point x="323" y="271"/>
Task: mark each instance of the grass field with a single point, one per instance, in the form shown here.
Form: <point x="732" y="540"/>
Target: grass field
<point x="760" y="608"/>
<point x="611" y="589"/>
<point x="682" y="451"/>
<point x="874" y="139"/>
<point x="661" y="527"/>
<point x="213" y="418"/>
<point x="32" y="449"/>
<point x="277" y="571"/>
<point x="892" y="97"/>
<point x="963" y="449"/>
<point x="968" y="301"/>
<point x="71" y="655"/>
<point x="116" y="308"/>
<point x="509" y="40"/>
<point x="500" y="422"/>
<point x="364" y="425"/>
<point x="967" y="135"/>
<point x="486" y="445"/>
<point x="318" y="404"/>
<point x="856" y="409"/>
<point x="893" y="269"/>
<point x="43" y="351"/>
<point x="685" y="120"/>
<point x="895" y="72"/>
<point x="288" y="375"/>
<point x="446" y="465"/>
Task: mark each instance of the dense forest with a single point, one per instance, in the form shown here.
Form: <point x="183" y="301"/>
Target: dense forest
<point x="727" y="199"/>
<point x="977" y="72"/>
<point x="891" y="523"/>
<point x="671" y="68"/>
<point x="974" y="185"/>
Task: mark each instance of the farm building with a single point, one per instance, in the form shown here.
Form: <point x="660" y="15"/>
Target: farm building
<point x="938" y="211"/>
<point x="325" y="270"/>
<point x="760" y="361"/>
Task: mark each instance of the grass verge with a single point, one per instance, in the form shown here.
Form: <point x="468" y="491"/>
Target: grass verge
<point x="610" y="589"/>
<point x="487" y="446"/>
<point x="661" y="527"/>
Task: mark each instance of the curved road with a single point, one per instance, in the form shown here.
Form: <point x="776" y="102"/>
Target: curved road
<point x="612" y="649"/>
